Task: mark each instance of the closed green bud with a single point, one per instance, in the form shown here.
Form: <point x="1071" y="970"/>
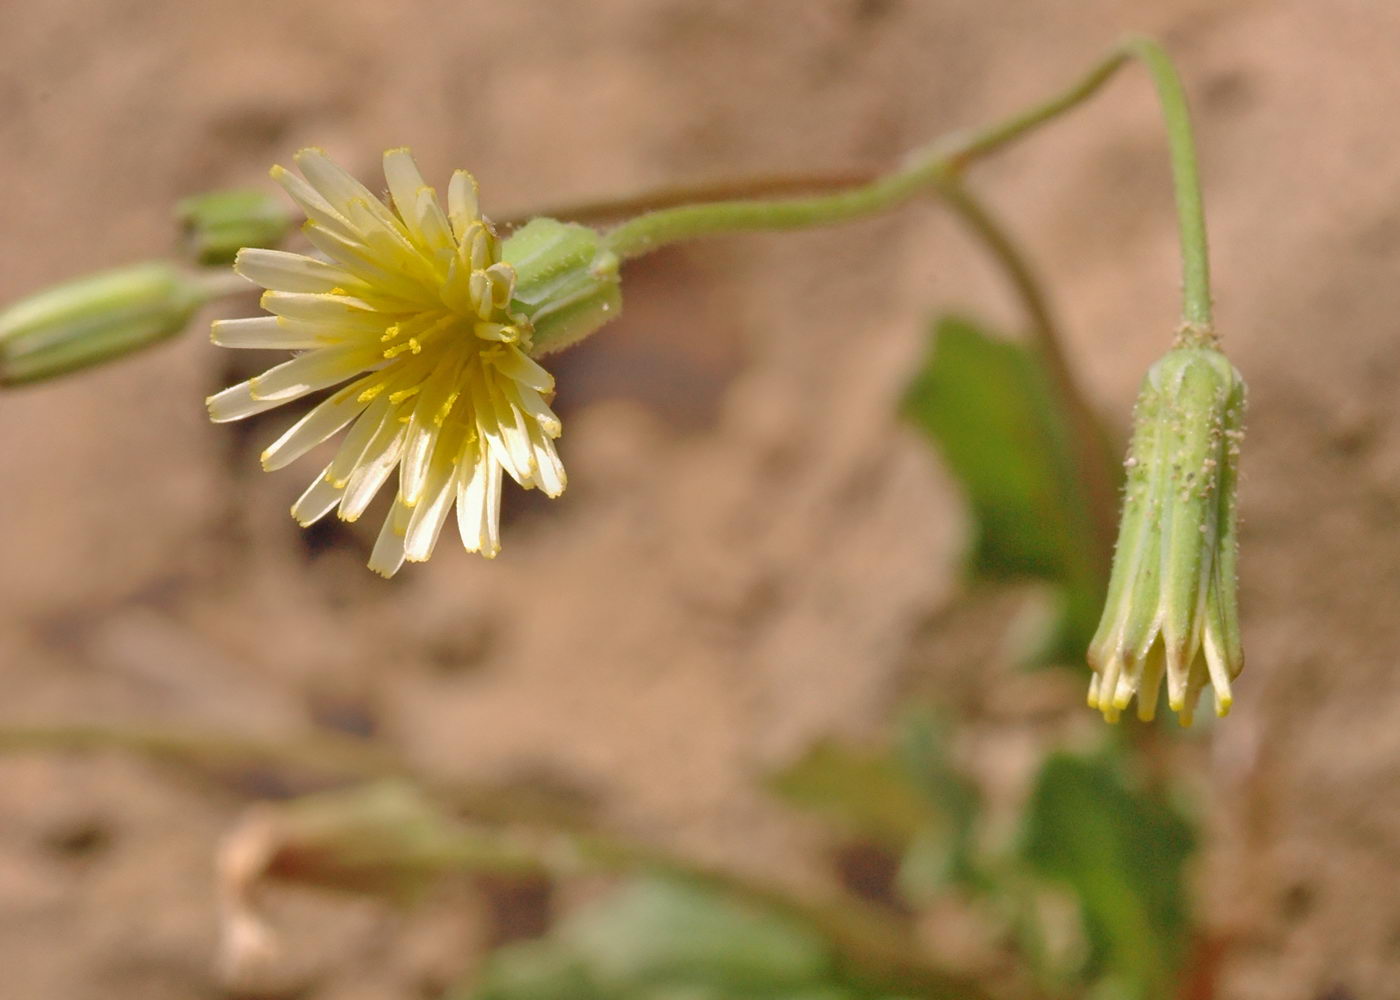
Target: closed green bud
<point x="95" y="319"/>
<point x="1171" y="607"/>
<point x="217" y="225"/>
<point x="564" y="285"/>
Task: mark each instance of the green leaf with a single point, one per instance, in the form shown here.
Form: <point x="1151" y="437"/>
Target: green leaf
<point x="867" y="792"/>
<point x="943" y="855"/>
<point x="909" y="799"/>
<point x="664" y="930"/>
<point x="990" y="408"/>
<point x="659" y="939"/>
<point x="1123" y="854"/>
<point x="534" y="970"/>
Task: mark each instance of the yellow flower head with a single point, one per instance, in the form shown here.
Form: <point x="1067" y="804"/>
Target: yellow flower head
<point x="412" y="308"/>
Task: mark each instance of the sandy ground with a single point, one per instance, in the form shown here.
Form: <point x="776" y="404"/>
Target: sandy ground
<point x="751" y="546"/>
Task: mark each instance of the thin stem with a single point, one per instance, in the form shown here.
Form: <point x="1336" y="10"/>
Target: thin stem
<point x="727" y="189"/>
<point x="1190" y="209"/>
<point x="1091" y="448"/>
<point x="938" y="160"/>
<point x="327" y="756"/>
<point x="995" y="137"/>
<point x="942" y="160"/>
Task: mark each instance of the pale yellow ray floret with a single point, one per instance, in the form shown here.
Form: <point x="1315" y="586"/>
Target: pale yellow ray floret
<point x="406" y="316"/>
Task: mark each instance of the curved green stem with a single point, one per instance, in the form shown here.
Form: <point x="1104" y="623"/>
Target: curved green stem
<point x="937" y="161"/>
<point x="945" y="159"/>
<point x="1190" y="209"/>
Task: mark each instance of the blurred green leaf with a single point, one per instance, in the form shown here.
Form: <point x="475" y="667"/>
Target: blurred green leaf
<point x="867" y="792"/>
<point x="994" y="415"/>
<point x="1060" y="631"/>
<point x="663" y="930"/>
<point x="660" y="939"/>
<point x="989" y="406"/>
<point x="943" y="855"/>
<point x="1123" y="855"/>
<point x="534" y="970"/>
<point x="910" y="800"/>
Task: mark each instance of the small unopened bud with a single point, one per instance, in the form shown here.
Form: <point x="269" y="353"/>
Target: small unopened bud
<point x="563" y="285"/>
<point x="95" y="319"/>
<point x="1171" y="605"/>
<point x="215" y="226"/>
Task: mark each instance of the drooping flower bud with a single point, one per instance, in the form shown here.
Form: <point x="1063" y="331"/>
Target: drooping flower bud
<point x="215" y="226"/>
<point x="563" y="284"/>
<point x="1171" y="606"/>
<point x="95" y="319"/>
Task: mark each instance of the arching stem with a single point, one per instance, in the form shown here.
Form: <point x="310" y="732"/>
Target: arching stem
<point x="945" y="159"/>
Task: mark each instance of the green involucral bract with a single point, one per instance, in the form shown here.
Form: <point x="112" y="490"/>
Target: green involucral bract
<point x="1171" y="606"/>
<point x="95" y="319"/>
<point x="564" y="283"/>
<point x="218" y="224"/>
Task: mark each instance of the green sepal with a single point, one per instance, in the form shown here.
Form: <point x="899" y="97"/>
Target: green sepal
<point x="564" y="283"/>
<point x="1196" y="384"/>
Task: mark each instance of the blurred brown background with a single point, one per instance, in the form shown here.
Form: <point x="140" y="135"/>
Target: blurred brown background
<point x="753" y="552"/>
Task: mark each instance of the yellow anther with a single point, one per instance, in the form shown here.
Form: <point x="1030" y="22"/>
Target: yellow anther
<point x="440" y="417"/>
<point x="411" y="345"/>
